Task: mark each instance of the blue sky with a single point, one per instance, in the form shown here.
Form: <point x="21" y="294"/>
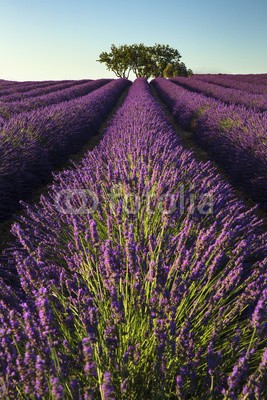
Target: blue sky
<point x="61" y="39"/>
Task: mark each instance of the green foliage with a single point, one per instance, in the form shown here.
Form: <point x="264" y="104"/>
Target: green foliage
<point x="178" y="69"/>
<point x="144" y="61"/>
<point x="117" y="60"/>
<point x="169" y="71"/>
<point x="229" y="123"/>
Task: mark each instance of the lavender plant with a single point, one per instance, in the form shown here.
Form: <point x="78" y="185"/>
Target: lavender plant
<point x="128" y="295"/>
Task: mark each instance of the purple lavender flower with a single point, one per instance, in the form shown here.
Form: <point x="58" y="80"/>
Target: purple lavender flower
<point x="107" y="387"/>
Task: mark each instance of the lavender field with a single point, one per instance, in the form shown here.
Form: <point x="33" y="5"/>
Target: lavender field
<point x="139" y="271"/>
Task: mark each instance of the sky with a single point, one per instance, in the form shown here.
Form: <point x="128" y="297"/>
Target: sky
<point x="62" y="39"/>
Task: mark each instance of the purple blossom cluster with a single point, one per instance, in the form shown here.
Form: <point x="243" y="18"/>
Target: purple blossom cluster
<point x="39" y="89"/>
<point x="2" y="121"/>
<point x="11" y="108"/>
<point x="234" y="136"/>
<point x="257" y="102"/>
<point x="32" y="144"/>
<point x="137" y="305"/>
<point x="230" y="81"/>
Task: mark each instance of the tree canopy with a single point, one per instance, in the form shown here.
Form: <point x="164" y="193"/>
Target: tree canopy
<point x="178" y="69"/>
<point x="144" y="61"/>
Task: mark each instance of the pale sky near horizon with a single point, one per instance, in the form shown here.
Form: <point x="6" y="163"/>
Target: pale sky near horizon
<point x="61" y="39"/>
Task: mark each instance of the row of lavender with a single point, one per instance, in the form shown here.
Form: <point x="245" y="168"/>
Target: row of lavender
<point x="32" y="144"/>
<point x="12" y="87"/>
<point x="146" y="295"/>
<point x="257" y="102"/>
<point x="36" y="89"/>
<point x="257" y="79"/>
<point x="234" y="136"/>
<point x="10" y="108"/>
<point x="5" y="83"/>
<point x="231" y="81"/>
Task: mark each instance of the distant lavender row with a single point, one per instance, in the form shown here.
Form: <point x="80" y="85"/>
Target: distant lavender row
<point x="137" y="303"/>
<point x="227" y="95"/>
<point x="230" y="82"/>
<point x="259" y="79"/>
<point x="15" y="87"/>
<point x="234" y="136"/>
<point x="5" y="84"/>
<point x="9" y="109"/>
<point x="69" y="90"/>
<point x="32" y="144"/>
<point x="39" y="91"/>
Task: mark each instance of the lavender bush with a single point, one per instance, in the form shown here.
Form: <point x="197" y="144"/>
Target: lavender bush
<point x="234" y="137"/>
<point x="137" y="298"/>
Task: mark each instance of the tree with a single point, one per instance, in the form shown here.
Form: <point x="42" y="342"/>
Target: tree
<point x="170" y="71"/>
<point x="178" y="69"/>
<point x="162" y="55"/>
<point x="117" y="60"/>
<point x="140" y="60"/>
<point x="143" y="61"/>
